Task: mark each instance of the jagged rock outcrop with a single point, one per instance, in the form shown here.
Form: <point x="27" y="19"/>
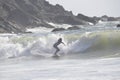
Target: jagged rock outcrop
<point x="34" y="13"/>
<point x="73" y="28"/>
<point x="6" y="27"/>
<point x="107" y="18"/>
<point x="118" y="25"/>
<point x="24" y="12"/>
<point x="57" y="29"/>
<point x="87" y="19"/>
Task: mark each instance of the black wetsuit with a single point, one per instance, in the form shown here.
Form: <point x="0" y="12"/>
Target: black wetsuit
<point x="56" y="46"/>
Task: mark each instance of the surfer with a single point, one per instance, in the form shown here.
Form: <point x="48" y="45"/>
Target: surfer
<point x="56" y="46"/>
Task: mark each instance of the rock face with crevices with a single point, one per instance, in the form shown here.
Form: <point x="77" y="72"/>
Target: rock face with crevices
<point x="21" y="14"/>
<point x="34" y="13"/>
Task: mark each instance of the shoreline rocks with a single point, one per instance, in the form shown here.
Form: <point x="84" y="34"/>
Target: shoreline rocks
<point x="57" y="29"/>
<point x="118" y="25"/>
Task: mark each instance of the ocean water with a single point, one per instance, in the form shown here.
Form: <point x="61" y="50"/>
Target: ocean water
<point x="62" y="69"/>
<point x="91" y="53"/>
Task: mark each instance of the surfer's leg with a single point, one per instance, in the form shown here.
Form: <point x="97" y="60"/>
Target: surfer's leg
<point x="57" y="50"/>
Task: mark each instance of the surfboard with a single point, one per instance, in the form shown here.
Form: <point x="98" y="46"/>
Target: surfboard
<point x="46" y="55"/>
<point x="56" y="56"/>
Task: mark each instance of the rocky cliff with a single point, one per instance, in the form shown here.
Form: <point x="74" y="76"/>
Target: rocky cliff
<point x="20" y="14"/>
<point x="33" y="13"/>
<point x="88" y="19"/>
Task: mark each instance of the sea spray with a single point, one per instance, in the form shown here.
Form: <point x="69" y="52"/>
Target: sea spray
<point x="99" y="42"/>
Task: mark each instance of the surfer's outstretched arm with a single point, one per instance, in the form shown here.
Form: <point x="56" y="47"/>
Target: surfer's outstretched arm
<point x="63" y="43"/>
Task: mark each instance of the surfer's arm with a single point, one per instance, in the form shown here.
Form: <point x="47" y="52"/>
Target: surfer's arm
<point x="63" y="43"/>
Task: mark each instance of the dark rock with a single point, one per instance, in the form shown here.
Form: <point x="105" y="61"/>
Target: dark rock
<point x="58" y="29"/>
<point x="107" y="18"/>
<point x="86" y="18"/>
<point x="28" y="32"/>
<point x="6" y="27"/>
<point x="118" y="25"/>
<point x="68" y="20"/>
<point x="73" y="28"/>
<point x="34" y="13"/>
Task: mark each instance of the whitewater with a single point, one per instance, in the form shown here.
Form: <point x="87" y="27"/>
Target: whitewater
<point x="89" y="53"/>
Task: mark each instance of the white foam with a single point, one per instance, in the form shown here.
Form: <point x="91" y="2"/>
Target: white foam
<point x="95" y="69"/>
<point x="39" y="30"/>
<point x="60" y="25"/>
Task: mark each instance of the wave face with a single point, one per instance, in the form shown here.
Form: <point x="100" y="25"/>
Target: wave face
<point x="79" y="44"/>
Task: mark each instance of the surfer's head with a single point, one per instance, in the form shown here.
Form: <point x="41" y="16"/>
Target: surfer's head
<point x="60" y="39"/>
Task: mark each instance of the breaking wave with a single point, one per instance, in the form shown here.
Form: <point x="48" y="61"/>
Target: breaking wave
<point x="94" y="44"/>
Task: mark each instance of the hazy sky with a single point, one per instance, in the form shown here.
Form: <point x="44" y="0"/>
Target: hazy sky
<point x="91" y="7"/>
